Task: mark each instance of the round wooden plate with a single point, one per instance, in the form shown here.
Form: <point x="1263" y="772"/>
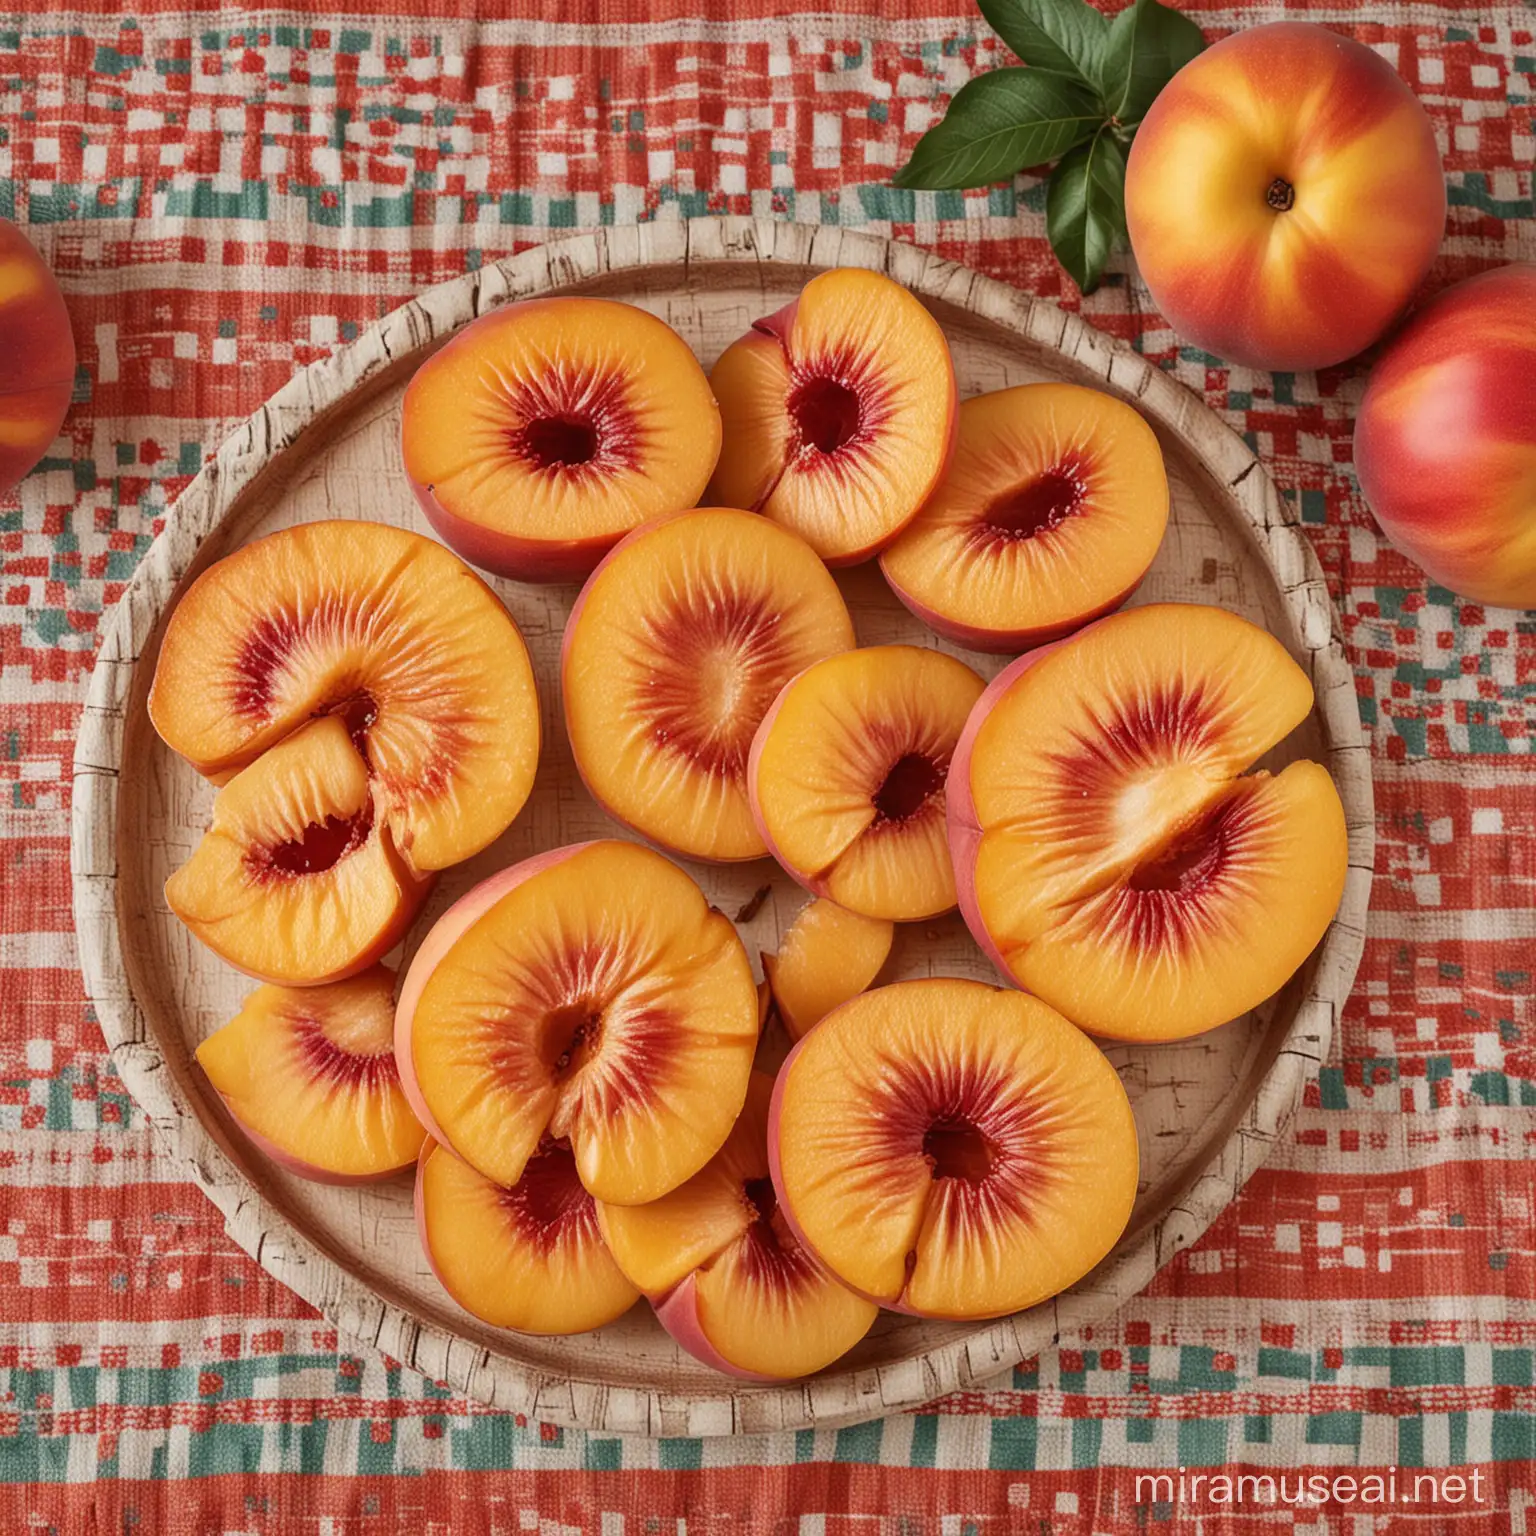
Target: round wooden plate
<point x="326" y="445"/>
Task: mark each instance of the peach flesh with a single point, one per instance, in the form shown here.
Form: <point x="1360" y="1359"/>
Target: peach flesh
<point x="683" y="636"/>
<point x="826" y="956"/>
<point x="1153" y="833"/>
<point x="593" y="998"/>
<point x="959" y="1151"/>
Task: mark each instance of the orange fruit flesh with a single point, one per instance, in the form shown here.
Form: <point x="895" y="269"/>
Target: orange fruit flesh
<point x="840" y="427"/>
<point x="1050" y="512"/>
<point x="562" y="420"/>
<point x="680" y="644"/>
<point x="296" y="880"/>
<point x="1105" y="785"/>
<point x="954" y="1149"/>
<point x="531" y="1257"/>
<point x="849" y="777"/>
<point x="313" y="1071"/>
<point x="600" y="1002"/>
<point x="826" y="956"/>
<point x="389" y="631"/>
<point x="764" y="1304"/>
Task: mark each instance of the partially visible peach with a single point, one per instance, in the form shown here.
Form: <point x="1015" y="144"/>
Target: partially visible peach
<point x="1445" y="443"/>
<point x="384" y="629"/>
<point x="310" y="1076"/>
<point x="728" y="1278"/>
<point x="826" y="956"/>
<point x="545" y="431"/>
<point x="591" y="996"/>
<point x="846" y="778"/>
<point x="37" y="356"/>
<point x="297" y="881"/>
<point x="1108" y="857"/>
<point x="838" y="413"/>
<point x="1049" y="515"/>
<point x="675" y="649"/>
<point x="952" y="1149"/>
<point x="1284" y="197"/>
<point x="530" y="1257"/>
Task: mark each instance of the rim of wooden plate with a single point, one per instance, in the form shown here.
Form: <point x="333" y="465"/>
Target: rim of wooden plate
<point x="833" y="1397"/>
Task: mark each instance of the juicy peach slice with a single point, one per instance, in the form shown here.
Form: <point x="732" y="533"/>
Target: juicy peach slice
<point x="1095" y="791"/>
<point x="310" y="1075"/>
<point x="952" y="1149"/>
<point x="389" y="631"/>
<point x="1050" y="513"/>
<point x="547" y="430"/>
<point x="838" y="413"/>
<point x="674" y="651"/>
<point x="530" y="1257"/>
<point x="589" y="995"/>
<point x="297" y="881"/>
<point x="827" y="956"/>
<point x="729" y="1279"/>
<point x="847" y="778"/>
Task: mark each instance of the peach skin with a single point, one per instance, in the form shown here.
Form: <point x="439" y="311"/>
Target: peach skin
<point x="545" y="431"/>
<point x="1284" y="197"/>
<point x="1108" y="856"/>
<point x="1445" y="443"/>
<point x="951" y="1149"/>
<point x="37" y="356"/>
<point x="838" y="414"/>
<point x="728" y="1278"/>
<point x="1049" y="515"/>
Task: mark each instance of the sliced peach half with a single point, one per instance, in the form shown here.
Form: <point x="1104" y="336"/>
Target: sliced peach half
<point x="728" y="1278"/>
<point x="297" y="881"/>
<point x="847" y="774"/>
<point x="530" y="1257"/>
<point x="838" y="413"/>
<point x="590" y="995"/>
<point x="827" y="955"/>
<point x="677" y="646"/>
<point x="1049" y="515"/>
<point x="952" y="1149"/>
<point x="383" y="628"/>
<point x="1109" y="857"/>
<point x="545" y="431"/>
<point x="309" y="1073"/>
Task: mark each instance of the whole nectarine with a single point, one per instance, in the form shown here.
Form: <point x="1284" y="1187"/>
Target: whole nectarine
<point x="1284" y="197"/>
<point x="1445" y="445"/>
<point x="37" y="356"/>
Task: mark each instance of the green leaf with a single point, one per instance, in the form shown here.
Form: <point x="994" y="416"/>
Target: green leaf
<point x="1148" y="45"/>
<point x="1065" y="37"/>
<point x="1085" y="207"/>
<point x="999" y="123"/>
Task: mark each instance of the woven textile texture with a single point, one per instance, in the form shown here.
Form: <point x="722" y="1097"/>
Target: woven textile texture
<point x="229" y="195"/>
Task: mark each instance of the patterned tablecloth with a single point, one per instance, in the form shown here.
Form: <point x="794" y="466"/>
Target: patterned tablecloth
<point x="229" y="195"/>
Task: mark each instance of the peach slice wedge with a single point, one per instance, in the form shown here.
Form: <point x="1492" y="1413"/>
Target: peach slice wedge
<point x="589" y="995"/>
<point x="952" y="1149"/>
<point x="846" y="778"/>
<point x="826" y="956"/>
<point x="530" y="1257"/>
<point x="1049" y="515"/>
<point x="838" y="414"/>
<point x="676" y="647"/>
<point x="728" y="1278"/>
<point x="297" y="881"/>
<point x="547" y="430"/>
<point x="1110" y="858"/>
<point x="383" y="628"/>
<point x="310" y="1076"/>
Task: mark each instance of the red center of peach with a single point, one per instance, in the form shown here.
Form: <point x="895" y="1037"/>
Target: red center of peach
<point x="826" y="413"/>
<point x="324" y="1059"/>
<point x="912" y="780"/>
<point x="574" y="421"/>
<point x="1167" y="898"/>
<point x="322" y="846"/>
<point x="957" y="1148"/>
<point x="563" y="441"/>
<point x="1037" y="506"/>
<point x="549" y="1199"/>
<point x="572" y="1036"/>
